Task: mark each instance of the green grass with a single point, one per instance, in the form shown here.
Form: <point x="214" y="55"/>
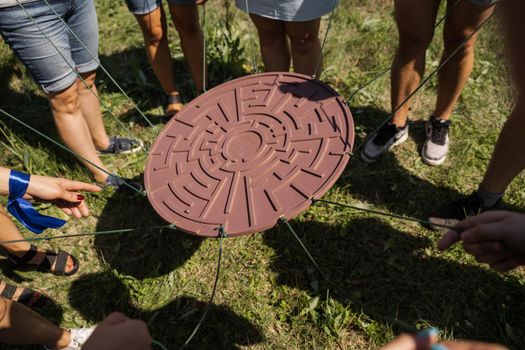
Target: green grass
<point x="269" y="296"/>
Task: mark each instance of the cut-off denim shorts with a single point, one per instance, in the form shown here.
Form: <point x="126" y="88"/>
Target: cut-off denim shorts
<point x="54" y="71"/>
<point x="142" y="7"/>
<point x="484" y="3"/>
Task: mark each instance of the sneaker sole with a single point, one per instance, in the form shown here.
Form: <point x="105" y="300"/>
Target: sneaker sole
<point x="133" y="150"/>
<point x="372" y="160"/>
<point x="429" y="161"/>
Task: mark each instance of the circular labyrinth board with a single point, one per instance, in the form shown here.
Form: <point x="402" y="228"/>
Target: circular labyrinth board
<point x="248" y="152"/>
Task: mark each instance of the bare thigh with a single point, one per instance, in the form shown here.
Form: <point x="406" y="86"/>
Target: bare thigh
<point x="415" y="21"/>
<point x="463" y="20"/>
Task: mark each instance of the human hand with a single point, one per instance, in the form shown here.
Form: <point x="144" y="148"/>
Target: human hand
<point x="200" y="2"/>
<point x="61" y="192"/>
<point x="409" y="342"/>
<point x="496" y="238"/>
<point x="117" y="332"/>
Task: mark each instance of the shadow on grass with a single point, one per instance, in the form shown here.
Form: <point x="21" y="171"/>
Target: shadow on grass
<point x="145" y="253"/>
<point x="171" y="324"/>
<point x="387" y="183"/>
<point x="393" y="275"/>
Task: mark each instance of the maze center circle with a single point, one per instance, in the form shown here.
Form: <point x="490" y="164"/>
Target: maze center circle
<point x="242" y="147"/>
<point x="248" y="152"/>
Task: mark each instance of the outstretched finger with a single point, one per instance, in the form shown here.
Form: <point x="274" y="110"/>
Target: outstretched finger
<point x="71" y="185"/>
<point x="483" y="218"/>
<point x="483" y="248"/>
<point x="490" y="231"/>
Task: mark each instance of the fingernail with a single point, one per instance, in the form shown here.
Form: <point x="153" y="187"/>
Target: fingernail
<point x="438" y="347"/>
<point x="80" y="197"/>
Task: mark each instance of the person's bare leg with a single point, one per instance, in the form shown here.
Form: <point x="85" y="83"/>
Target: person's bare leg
<point x="90" y="109"/>
<point x="305" y="45"/>
<point x="10" y="232"/>
<point x="508" y="158"/>
<point x="274" y="45"/>
<point x="415" y="23"/>
<point x="463" y="20"/>
<point x="74" y="130"/>
<point x="186" y="21"/>
<point x="155" y="33"/>
<point x="20" y="325"/>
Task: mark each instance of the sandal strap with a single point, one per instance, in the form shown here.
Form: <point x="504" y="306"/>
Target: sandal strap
<point x="8" y="291"/>
<point x="27" y="257"/>
<point x="173" y="99"/>
<point x="57" y="261"/>
<point x="26" y="296"/>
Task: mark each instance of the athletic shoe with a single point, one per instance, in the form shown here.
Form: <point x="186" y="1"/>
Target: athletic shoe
<point x="460" y="210"/>
<point x="388" y="136"/>
<point x="435" y="148"/>
<point x="120" y="184"/>
<point x="78" y="338"/>
<point x="124" y="145"/>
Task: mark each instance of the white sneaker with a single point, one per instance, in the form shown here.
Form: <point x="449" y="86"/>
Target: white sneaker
<point x="78" y="337"/>
<point x="435" y="149"/>
<point x="388" y="136"/>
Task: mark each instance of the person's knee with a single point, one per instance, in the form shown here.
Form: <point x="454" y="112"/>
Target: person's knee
<point x="462" y="41"/>
<point x="414" y="42"/>
<point x="304" y="44"/>
<point x="66" y="101"/>
<point x="154" y="34"/>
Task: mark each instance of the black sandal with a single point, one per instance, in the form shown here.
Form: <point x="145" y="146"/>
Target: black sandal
<point x="54" y="262"/>
<point x="171" y="100"/>
<point x="28" y="297"/>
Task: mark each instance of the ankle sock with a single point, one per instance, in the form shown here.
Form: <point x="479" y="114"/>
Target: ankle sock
<point x="490" y="199"/>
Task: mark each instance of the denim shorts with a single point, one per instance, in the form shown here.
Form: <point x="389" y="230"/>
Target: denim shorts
<point x="50" y="69"/>
<point x="484" y="2"/>
<point x="142" y="7"/>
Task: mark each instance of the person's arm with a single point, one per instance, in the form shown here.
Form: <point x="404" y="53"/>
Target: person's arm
<point x="496" y="238"/>
<point x="64" y="193"/>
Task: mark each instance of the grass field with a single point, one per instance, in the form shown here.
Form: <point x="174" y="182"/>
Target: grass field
<point x="269" y="296"/>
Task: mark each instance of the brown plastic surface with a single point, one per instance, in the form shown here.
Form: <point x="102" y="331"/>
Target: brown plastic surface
<point x="247" y="152"/>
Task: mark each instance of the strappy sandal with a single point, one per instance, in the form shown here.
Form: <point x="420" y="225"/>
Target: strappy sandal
<point x="54" y="262"/>
<point x="171" y="100"/>
<point x="27" y="297"/>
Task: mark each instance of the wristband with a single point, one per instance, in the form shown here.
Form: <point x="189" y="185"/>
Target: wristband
<point x="22" y="210"/>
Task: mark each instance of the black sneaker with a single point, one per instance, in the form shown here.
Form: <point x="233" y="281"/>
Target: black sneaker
<point x="460" y="210"/>
<point x="122" y="184"/>
<point x="388" y="136"/>
<point x="124" y="145"/>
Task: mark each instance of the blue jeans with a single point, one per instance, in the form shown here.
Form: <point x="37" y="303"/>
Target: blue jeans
<point x="40" y="56"/>
<point x="142" y="7"/>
